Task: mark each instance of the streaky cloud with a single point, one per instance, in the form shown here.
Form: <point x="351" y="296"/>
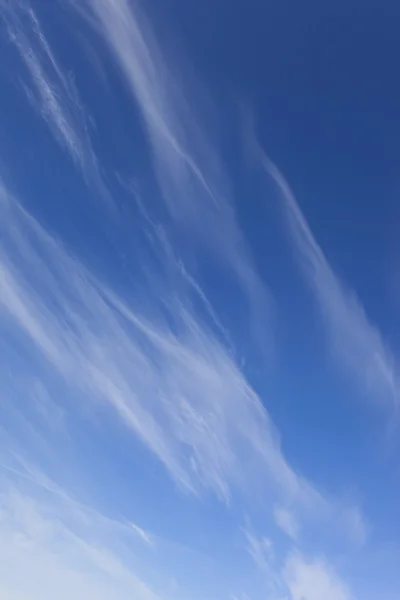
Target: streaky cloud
<point x="144" y="535"/>
<point x="286" y="520"/>
<point x="52" y="546"/>
<point x="53" y="93"/>
<point x="296" y="575"/>
<point x="313" y="579"/>
<point x="189" y="170"/>
<point x="168" y="377"/>
<point x="357" y="343"/>
<point x="146" y="372"/>
<point x="261" y="550"/>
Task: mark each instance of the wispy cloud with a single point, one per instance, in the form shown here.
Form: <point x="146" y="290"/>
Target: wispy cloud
<point x="313" y="579"/>
<point x="260" y="550"/>
<point x="53" y="93"/>
<point x="295" y="576"/>
<point x="165" y="371"/>
<point x="357" y="343"/>
<point x="200" y="399"/>
<point x="168" y="376"/>
<point x="144" y="535"/>
<point x="286" y="520"/>
<point x="189" y="170"/>
<point x="62" y="549"/>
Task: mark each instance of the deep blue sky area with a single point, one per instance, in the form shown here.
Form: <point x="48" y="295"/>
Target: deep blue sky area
<point x="322" y="77"/>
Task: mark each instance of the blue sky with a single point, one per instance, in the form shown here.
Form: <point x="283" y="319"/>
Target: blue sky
<point x="199" y="294"/>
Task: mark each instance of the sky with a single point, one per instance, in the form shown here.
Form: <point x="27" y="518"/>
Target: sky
<point x="199" y="300"/>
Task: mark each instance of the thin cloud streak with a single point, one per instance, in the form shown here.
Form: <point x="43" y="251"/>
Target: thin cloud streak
<point x="189" y="170"/>
<point x="357" y="343"/>
<point x="295" y="576"/>
<point x="262" y="552"/>
<point x="144" y="535"/>
<point x="175" y="386"/>
<point x="62" y="549"/>
<point x="158" y="368"/>
<point x="100" y="357"/>
<point x="52" y="93"/>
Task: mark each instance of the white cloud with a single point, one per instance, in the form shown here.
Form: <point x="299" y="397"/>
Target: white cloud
<point x="144" y="535"/>
<point x="50" y="547"/>
<point x="200" y="399"/>
<point x="260" y="550"/>
<point x="52" y="92"/>
<point x="173" y="383"/>
<point x="192" y="181"/>
<point x="357" y="343"/>
<point x="294" y="576"/>
<point x="287" y="521"/>
<point x="313" y="580"/>
<point x="358" y="528"/>
<point x="169" y="378"/>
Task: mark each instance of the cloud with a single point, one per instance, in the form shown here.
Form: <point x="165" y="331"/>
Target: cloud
<point x="357" y="526"/>
<point x="147" y="358"/>
<point x="358" y="344"/>
<point x="260" y="550"/>
<point x="144" y="535"/>
<point x="293" y="575"/>
<point x="53" y="93"/>
<point x="313" y="580"/>
<point x="62" y="549"/>
<point x="168" y="377"/>
<point x="200" y="400"/>
<point x="286" y="520"/>
<point x="193" y="185"/>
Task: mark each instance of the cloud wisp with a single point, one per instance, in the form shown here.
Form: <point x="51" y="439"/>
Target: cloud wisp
<point x="295" y="575"/>
<point x="286" y="521"/>
<point x="162" y="371"/>
<point x="53" y="93"/>
<point x="356" y="342"/>
<point x="193" y="185"/>
<point x="61" y="548"/>
<point x="168" y="377"/>
<point x="313" y="580"/>
<point x="67" y="549"/>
